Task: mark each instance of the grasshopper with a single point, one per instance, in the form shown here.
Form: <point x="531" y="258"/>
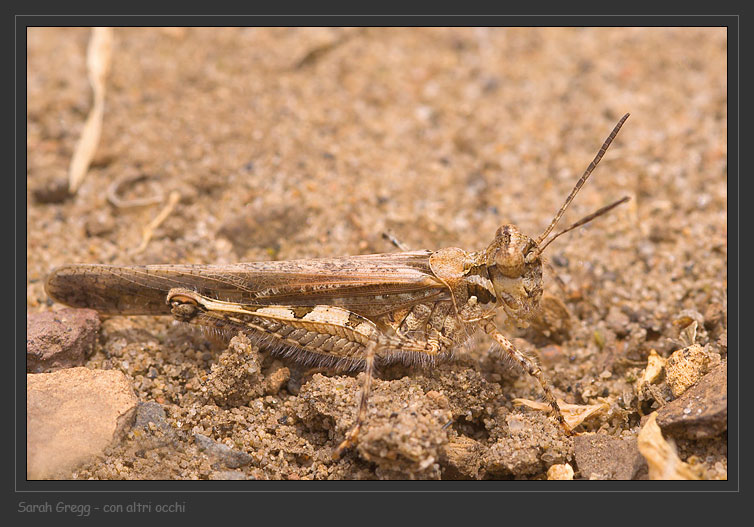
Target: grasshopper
<point x="350" y="313"/>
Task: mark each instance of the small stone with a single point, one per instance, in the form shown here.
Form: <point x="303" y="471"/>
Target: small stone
<point x="608" y="457"/>
<point x="60" y="339"/>
<point x="523" y="452"/>
<point x="702" y="411"/>
<point x="403" y="433"/>
<point x="438" y="398"/>
<point x="686" y="366"/>
<point x="52" y="191"/>
<point x="552" y="354"/>
<point x="150" y="412"/>
<point x="72" y="416"/>
<point x="223" y="453"/>
<point x="562" y="472"/>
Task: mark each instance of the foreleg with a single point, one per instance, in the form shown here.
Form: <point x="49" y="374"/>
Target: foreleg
<point x="531" y="368"/>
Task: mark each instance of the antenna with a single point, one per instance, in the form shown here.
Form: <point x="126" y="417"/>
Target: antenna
<point x="580" y="184"/>
<point x="584" y="220"/>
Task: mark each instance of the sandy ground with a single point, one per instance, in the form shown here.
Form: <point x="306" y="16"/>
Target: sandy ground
<point x="303" y="143"/>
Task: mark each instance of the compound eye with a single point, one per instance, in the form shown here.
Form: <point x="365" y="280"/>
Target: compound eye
<point x="184" y="309"/>
<point x="179" y="299"/>
<point x="182" y="304"/>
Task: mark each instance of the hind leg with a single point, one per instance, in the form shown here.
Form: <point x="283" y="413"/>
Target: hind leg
<point x="351" y="436"/>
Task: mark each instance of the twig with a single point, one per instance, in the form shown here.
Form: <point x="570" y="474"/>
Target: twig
<point x="152" y="226"/>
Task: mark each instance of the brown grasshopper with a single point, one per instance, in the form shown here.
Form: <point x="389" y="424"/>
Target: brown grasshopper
<point x="349" y="313"/>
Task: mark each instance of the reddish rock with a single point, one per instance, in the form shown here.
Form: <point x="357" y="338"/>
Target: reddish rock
<point x="702" y="411"/>
<point x="60" y="339"/>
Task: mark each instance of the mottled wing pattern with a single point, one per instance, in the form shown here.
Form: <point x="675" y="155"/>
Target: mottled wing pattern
<point x="369" y="285"/>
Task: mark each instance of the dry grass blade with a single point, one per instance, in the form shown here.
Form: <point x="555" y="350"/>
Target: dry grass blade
<point x="661" y="456"/>
<point x="574" y="414"/>
<point x="152" y="226"/>
<point x="98" y="65"/>
<point x="117" y="187"/>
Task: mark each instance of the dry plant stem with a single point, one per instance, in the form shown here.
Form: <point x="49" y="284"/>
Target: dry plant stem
<point x="98" y="64"/>
<point x="116" y="187"/>
<point x="173" y="199"/>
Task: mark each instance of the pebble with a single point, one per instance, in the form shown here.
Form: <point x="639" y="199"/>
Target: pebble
<point x="60" y="339"/>
<point x="223" y="453"/>
<point x="150" y="412"/>
<point x="73" y="415"/>
<point x="52" y="191"/>
<point x="686" y="366"/>
<point x="562" y="472"/>
<point x="702" y="411"/>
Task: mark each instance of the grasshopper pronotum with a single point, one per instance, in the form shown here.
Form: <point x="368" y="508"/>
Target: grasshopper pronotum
<point x="349" y="313"/>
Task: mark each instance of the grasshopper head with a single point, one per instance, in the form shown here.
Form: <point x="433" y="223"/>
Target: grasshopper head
<point x="515" y="269"/>
<point x="513" y="260"/>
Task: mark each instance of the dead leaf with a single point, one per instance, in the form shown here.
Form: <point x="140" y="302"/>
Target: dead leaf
<point x="661" y="456"/>
<point x="574" y="414"/>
